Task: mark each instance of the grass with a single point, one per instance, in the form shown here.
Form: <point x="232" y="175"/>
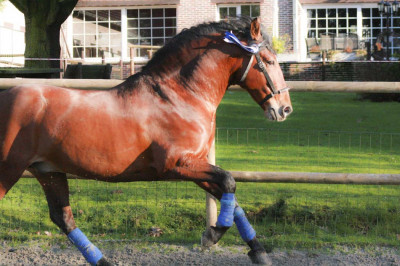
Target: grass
<point x="328" y="132"/>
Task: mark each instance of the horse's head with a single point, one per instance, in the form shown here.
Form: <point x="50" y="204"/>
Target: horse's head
<point x="261" y="75"/>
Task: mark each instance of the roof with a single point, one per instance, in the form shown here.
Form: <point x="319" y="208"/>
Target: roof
<point x="235" y="1"/>
<point x="117" y="3"/>
<point x="337" y="1"/>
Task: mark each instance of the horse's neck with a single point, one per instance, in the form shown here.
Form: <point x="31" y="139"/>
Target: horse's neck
<point x="206" y="75"/>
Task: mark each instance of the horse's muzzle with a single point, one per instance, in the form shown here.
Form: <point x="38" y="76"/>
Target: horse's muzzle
<point x="278" y="114"/>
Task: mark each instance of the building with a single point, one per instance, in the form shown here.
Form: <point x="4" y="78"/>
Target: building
<point x="107" y="28"/>
<point x="12" y="31"/>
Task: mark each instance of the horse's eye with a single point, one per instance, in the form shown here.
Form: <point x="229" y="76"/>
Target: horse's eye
<point x="270" y="62"/>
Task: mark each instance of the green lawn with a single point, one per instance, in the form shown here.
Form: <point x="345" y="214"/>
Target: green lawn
<point x="328" y="132"/>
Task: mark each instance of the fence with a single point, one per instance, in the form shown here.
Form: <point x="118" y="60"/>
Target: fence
<point x="14" y="46"/>
<point x="277" y="210"/>
<point x="122" y="67"/>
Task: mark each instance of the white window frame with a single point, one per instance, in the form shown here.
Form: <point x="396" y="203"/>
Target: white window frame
<point x="359" y="18"/>
<point x="150" y="7"/>
<point x="304" y="30"/>
<point x="237" y="6"/>
<point x="70" y="37"/>
<point x="124" y="33"/>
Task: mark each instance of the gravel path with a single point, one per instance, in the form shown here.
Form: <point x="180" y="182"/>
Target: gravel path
<point x="163" y="254"/>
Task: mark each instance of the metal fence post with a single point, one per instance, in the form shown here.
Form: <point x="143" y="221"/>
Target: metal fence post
<point x="211" y="201"/>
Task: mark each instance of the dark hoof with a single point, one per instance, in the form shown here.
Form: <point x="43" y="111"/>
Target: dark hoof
<point x="103" y="262"/>
<point x="259" y="257"/>
<point x="212" y="235"/>
<point x="206" y="239"/>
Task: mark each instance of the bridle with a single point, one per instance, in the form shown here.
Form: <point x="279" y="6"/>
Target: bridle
<point x="254" y="49"/>
<point x="261" y="65"/>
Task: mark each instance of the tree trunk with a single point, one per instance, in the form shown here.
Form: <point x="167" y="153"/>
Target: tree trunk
<point x="42" y="43"/>
<point x="43" y="20"/>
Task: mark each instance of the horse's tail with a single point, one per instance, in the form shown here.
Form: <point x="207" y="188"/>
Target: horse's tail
<point x="19" y="110"/>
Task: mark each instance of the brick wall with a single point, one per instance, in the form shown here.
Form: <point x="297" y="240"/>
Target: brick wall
<point x="193" y="12"/>
<point x="342" y="71"/>
<point x="267" y="15"/>
<point x="286" y="20"/>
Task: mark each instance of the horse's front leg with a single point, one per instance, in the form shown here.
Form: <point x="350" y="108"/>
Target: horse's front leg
<point x="257" y="253"/>
<point x="225" y="185"/>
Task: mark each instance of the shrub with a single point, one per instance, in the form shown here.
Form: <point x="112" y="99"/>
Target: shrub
<point x="280" y="43"/>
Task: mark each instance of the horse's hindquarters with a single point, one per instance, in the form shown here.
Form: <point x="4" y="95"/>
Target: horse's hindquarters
<point x="19" y="111"/>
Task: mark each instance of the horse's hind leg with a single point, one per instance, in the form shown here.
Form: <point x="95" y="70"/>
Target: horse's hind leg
<point x="211" y="236"/>
<point x="55" y="186"/>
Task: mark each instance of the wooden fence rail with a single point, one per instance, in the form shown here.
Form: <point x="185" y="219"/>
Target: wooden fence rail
<point x="300" y="177"/>
<point x="300" y="86"/>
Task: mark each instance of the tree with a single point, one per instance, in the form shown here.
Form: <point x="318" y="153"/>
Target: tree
<point x="43" y="20"/>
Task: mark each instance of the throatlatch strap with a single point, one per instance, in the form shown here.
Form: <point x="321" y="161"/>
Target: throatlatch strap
<point x="245" y="229"/>
<point x="225" y="218"/>
<point x="91" y="253"/>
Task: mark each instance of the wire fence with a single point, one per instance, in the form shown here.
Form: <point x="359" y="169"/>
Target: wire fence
<point x="313" y="151"/>
<point x="307" y="215"/>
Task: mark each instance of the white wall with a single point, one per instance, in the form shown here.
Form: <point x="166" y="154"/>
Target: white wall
<point x="12" y="33"/>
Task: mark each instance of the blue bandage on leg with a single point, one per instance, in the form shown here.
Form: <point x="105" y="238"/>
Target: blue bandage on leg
<point x="225" y="218"/>
<point x="246" y="231"/>
<point x="91" y="253"/>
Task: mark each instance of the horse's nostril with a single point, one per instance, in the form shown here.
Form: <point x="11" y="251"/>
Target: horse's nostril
<point x="287" y="110"/>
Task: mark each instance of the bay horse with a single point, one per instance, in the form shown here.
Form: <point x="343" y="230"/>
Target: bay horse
<point x="157" y="125"/>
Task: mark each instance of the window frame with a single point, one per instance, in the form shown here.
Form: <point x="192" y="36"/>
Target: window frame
<point x="151" y="28"/>
<point x="238" y="8"/>
<point x="326" y="19"/>
<point x="360" y="28"/>
<point x="124" y="32"/>
<point x="71" y="34"/>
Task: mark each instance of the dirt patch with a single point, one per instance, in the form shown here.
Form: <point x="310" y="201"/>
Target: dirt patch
<point x="165" y="254"/>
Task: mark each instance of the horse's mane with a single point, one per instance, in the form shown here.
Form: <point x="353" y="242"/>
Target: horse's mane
<point x="240" y="26"/>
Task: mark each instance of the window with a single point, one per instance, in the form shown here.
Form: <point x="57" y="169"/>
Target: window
<point x="373" y="25"/>
<point x="153" y="26"/>
<point x="331" y="20"/>
<point x="240" y="10"/>
<point x="97" y="33"/>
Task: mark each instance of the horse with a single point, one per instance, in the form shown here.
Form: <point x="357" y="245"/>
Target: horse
<point x="157" y="125"/>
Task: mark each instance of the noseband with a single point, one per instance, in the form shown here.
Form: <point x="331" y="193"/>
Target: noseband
<point x="261" y="65"/>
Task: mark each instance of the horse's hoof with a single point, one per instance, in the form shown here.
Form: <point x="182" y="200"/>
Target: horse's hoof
<point x="212" y="235"/>
<point x="207" y="239"/>
<point x="103" y="262"/>
<point x="259" y="257"/>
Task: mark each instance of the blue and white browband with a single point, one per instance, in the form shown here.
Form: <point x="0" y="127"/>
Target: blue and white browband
<point x="231" y="38"/>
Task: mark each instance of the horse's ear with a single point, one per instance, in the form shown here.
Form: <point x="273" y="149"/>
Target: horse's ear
<point x="255" y="29"/>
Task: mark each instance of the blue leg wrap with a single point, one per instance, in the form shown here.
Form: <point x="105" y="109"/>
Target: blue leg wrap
<point x="91" y="253"/>
<point x="246" y="231"/>
<point x="225" y="218"/>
